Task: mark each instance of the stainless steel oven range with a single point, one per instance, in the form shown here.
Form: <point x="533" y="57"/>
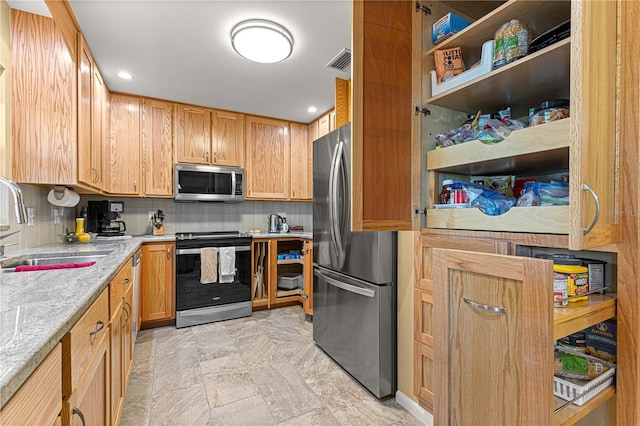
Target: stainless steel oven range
<point x="213" y="277"/>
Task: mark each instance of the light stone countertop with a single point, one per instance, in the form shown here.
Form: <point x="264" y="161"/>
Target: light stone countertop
<point x="38" y="308"/>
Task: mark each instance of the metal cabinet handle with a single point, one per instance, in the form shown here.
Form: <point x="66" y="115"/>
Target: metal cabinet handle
<point x="167" y="187"/>
<point x="128" y="311"/>
<point x="485" y="307"/>
<point x="169" y="253"/>
<point x="125" y="281"/>
<point x="586" y="187"/>
<point x="206" y="156"/>
<point x="135" y="186"/>
<point x="97" y="330"/>
<point x="77" y="411"/>
<point x="215" y="157"/>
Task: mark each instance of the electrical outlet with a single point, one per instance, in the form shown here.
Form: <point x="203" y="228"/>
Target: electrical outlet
<point x="282" y="214"/>
<point x="151" y="213"/>
<point x="56" y="213"/>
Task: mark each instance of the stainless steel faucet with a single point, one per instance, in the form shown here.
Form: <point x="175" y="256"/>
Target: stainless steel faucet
<point x="21" y="210"/>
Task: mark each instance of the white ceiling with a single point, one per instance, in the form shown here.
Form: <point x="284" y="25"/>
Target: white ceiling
<point x="180" y="50"/>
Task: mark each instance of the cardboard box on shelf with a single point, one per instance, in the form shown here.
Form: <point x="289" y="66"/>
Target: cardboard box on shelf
<point x="600" y="340"/>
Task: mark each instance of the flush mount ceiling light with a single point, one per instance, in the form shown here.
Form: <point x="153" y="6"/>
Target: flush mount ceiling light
<point x="262" y="41"/>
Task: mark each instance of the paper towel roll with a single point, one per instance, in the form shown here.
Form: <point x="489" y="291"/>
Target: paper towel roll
<point x="63" y="197"/>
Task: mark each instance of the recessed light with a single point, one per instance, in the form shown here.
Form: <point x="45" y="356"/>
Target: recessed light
<point x="312" y="109"/>
<point x="125" y="75"/>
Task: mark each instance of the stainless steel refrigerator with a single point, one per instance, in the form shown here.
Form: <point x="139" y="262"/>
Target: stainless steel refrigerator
<point x="354" y="283"/>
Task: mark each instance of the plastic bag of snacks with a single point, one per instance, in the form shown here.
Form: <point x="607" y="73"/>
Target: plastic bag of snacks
<point x="511" y="42"/>
<point x="448" y="63"/>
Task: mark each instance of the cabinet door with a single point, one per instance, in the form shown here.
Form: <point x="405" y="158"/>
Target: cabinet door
<point x="43" y="102"/>
<point x="268" y="154"/>
<point x="228" y="138"/>
<point x="593" y="161"/>
<point x="124" y="145"/>
<point x="324" y="125"/>
<point x="115" y="347"/>
<point x="157" y="298"/>
<point x="307" y="276"/>
<point x="301" y="163"/>
<point x="127" y="339"/>
<point x="86" y="173"/>
<point x="382" y="116"/>
<point x="157" y="148"/>
<point x="493" y="339"/>
<point x="98" y="108"/>
<point x="90" y="402"/>
<point x="193" y="134"/>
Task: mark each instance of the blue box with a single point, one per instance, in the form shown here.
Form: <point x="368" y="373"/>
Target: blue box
<point x="447" y="26"/>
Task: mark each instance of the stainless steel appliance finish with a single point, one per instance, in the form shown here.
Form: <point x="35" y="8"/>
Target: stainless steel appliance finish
<point x="208" y="183"/>
<point x="354" y="290"/>
<point x="275" y="223"/>
<point x="198" y="303"/>
<point x="136" y="273"/>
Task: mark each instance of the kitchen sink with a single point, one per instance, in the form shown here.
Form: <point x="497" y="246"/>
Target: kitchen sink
<point x="9" y="265"/>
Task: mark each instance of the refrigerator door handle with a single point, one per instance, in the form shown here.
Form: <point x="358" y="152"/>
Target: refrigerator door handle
<point x="333" y="200"/>
<point x="336" y="222"/>
<point x="344" y="286"/>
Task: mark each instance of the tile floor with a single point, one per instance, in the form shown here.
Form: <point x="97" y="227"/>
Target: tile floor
<point x="260" y="370"/>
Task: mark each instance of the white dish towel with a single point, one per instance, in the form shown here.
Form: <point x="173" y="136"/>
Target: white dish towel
<point x="227" y="264"/>
<point x="208" y="265"/>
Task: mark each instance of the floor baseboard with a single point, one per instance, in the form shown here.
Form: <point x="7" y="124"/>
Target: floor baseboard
<point x="414" y="408"/>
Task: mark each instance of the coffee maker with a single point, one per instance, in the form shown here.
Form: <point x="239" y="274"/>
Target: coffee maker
<point x="102" y="218"/>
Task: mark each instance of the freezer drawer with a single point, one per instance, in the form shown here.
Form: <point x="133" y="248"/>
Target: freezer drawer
<point x="354" y="323"/>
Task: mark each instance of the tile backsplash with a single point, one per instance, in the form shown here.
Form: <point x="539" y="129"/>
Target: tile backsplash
<point x="186" y="217"/>
<point x="43" y="230"/>
<point x="179" y="217"/>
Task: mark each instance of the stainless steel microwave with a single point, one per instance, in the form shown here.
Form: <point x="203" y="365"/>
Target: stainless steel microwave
<point x="194" y="182"/>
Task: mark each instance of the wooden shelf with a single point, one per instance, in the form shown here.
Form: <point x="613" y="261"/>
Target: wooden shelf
<point x="291" y="261"/>
<point x="573" y="413"/>
<point x="598" y="308"/>
<point x="543" y="149"/>
<point x="540" y="219"/>
<point x="539" y="16"/>
<point x="523" y="84"/>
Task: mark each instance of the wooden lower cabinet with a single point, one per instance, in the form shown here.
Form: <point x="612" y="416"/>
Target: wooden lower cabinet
<point x="157" y="299"/>
<point x="43" y="389"/>
<point x="116" y="348"/>
<point x="424" y="304"/>
<point x="266" y="263"/>
<point x="127" y="338"/>
<point x="89" y="404"/>
<point x="493" y="339"/>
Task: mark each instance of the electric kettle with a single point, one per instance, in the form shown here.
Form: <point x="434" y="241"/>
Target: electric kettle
<point x="274" y="223"/>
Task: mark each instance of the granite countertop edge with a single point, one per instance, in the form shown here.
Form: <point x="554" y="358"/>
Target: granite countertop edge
<point x="20" y="357"/>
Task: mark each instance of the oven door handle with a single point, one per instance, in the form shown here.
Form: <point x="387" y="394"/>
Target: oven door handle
<point x="198" y="250"/>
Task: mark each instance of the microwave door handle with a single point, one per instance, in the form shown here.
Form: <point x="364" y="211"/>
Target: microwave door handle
<point x="233" y="184"/>
<point x="333" y="207"/>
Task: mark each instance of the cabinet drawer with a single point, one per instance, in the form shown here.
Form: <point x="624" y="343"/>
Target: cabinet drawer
<point x="43" y="389"/>
<point x="118" y="287"/>
<point x="82" y="341"/>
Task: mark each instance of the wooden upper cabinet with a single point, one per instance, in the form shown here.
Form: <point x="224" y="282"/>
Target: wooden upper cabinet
<point x="192" y="134"/>
<point x="157" y="147"/>
<point x="381" y="139"/>
<point x="124" y="146"/>
<point x="91" y="107"/>
<point x="227" y="130"/>
<point x="593" y="159"/>
<point x="301" y="163"/>
<point x="325" y="125"/>
<point x="43" y="102"/>
<point x="268" y="156"/>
